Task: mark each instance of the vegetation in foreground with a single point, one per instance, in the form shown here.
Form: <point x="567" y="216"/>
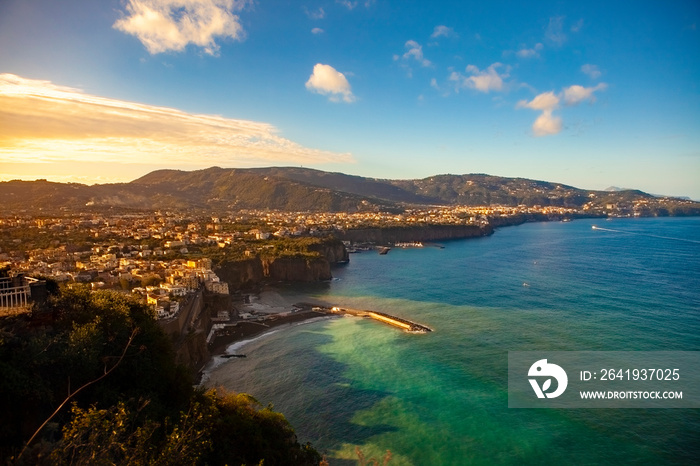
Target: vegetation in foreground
<point x="102" y="360"/>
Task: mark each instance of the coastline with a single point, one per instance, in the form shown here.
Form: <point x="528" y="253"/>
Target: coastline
<point x="279" y="317"/>
<point x="268" y="301"/>
<point x="246" y="330"/>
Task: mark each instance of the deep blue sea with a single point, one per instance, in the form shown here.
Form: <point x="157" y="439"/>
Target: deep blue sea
<point x="441" y="398"/>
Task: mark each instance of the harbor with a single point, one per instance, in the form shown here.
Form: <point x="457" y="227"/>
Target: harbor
<point x="261" y="317"/>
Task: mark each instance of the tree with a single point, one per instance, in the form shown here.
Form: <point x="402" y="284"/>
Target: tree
<point x="131" y="403"/>
<point x="118" y="435"/>
<point x="125" y="283"/>
<point x="245" y="432"/>
<point x="41" y="366"/>
<point x="151" y="280"/>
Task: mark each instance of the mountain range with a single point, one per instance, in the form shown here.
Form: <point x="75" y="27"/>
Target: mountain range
<point x="303" y="189"/>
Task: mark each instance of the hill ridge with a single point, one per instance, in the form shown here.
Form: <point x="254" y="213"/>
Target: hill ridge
<point x="306" y="189"/>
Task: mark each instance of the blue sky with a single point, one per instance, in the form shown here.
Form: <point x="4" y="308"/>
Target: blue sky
<point x="590" y="94"/>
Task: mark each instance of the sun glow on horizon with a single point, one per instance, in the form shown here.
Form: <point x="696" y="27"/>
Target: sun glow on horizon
<point x="43" y="123"/>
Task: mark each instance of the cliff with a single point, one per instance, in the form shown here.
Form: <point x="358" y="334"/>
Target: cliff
<point x="416" y="233"/>
<point x="297" y="269"/>
<point x="188" y="330"/>
<point x="333" y="250"/>
<point x="313" y="264"/>
<point x="241" y="273"/>
<point x="519" y="219"/>
<point x="193" y="352"/>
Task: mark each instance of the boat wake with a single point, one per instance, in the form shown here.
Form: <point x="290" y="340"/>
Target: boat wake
<point x="595" y="227"/>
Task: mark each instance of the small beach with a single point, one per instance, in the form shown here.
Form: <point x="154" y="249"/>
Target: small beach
<point x="277" y="311"/>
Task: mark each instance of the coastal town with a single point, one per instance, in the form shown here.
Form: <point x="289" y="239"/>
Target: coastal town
<point x="168" y="253"/>
<point x="168" y="258"/>
<point x="109" y="249"/>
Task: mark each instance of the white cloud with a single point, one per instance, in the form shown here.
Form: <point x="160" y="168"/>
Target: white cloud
<point x="347" y="4"/>
<point x="482" y="80"/>
<point x="415" y="50"/>
<point x="442" y="31"/>
<point x="317" y="31"/>
<point x="591" y="70"/>
<point x="46" y="123"/>
<point x="546" y="124"/>
<point x="576" y="94"/>
<point x="170" y="25"/>
<point x="555" y="31"/>
<point x="576" y="27"/>
<point x="326" y="80"/>
<point x="548" y="102"/>
<point x="316" y="14"/>
<point x="351" y="5"/>
<point x="530" y="53"/>
<point x="544" y="101"/>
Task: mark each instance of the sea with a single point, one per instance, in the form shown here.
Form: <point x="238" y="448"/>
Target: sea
<point x="441" y="398"/>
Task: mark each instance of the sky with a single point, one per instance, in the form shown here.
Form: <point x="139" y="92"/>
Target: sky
<point x="590" y="94"/>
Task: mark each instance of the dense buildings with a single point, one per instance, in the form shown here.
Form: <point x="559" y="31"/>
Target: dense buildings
<point x="174" y="250"/>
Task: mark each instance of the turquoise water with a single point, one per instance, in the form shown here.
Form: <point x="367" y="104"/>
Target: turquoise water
<point x="441" y="398"/>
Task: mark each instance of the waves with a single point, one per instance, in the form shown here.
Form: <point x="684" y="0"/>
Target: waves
<point x="595" y="227"/>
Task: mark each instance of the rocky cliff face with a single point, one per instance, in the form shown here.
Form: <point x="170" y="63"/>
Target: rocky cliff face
<point x="297" y="269"/>
<point x="193" y="352"/>
<point x="416" y="233"/>
<point x="301" y="268"/>
<point x="242" y="273"/>
<point x="333" y="250"/>
<point x="497" y="222"/>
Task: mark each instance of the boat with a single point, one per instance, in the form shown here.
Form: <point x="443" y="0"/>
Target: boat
<point x="409" y="244"/>
<point x="384" y="251"/>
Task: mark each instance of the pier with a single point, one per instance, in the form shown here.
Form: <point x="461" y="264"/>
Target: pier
<point x="404" y="324"/>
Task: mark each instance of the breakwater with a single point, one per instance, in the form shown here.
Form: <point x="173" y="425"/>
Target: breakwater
<point x="404" y="324"/>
